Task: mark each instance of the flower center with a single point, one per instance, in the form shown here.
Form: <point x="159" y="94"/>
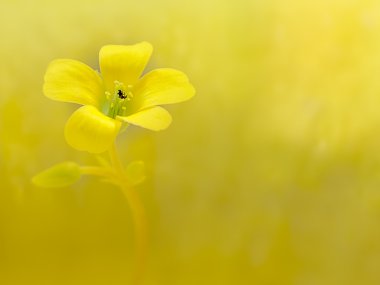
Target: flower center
<point x="118" y="101"/>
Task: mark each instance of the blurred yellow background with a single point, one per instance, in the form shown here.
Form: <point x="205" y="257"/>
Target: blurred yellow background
<point x="270" y="175"/>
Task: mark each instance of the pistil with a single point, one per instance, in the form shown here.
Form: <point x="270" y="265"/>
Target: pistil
<point x="118" y="100"/>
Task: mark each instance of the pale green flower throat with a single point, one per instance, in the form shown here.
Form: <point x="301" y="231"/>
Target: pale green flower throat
<point x="117" y="102"/>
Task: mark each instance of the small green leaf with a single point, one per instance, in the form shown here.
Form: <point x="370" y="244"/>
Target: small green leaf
<point x="59" y="175"/>
<point x="135" y="172"/>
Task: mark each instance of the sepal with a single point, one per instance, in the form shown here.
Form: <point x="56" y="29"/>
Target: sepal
<point x="135" y="172"/>
<point x="60" y="175"/>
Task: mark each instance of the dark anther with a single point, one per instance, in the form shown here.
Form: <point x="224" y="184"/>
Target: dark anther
<point x="121" y="94"/>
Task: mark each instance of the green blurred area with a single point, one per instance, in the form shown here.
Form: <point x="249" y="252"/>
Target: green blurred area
<point x="270" y="175"/>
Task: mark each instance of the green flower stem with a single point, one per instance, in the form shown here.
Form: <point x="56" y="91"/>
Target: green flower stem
<point x="138" y="215"/>
<point x="97" y="171"/>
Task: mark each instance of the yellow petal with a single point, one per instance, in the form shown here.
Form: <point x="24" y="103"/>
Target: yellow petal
<point x="123" y="63"/>
<point x="90" y="130"/>
<point x="163" y="86"/>
<point x="73" y="81"/>
<point x="154" y="119"/>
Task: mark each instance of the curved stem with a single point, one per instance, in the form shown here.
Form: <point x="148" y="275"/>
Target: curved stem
<point x="97" y="171"/>
<point x="116" y="163"/>
<point x="138" y="215"/>
<point x="141" y="239"/>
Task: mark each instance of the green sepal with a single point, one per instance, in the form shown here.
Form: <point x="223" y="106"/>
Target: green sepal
<point x="135" y="172"/>
<point x="59" y="175"/>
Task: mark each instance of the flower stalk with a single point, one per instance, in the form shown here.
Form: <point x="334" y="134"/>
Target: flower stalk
<point x="138" y="215"/>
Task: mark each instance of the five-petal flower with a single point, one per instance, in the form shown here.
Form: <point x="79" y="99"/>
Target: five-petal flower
<point x="118" y="95"/>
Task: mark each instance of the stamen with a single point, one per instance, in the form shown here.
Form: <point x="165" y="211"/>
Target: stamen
<point x="119" y="99"/>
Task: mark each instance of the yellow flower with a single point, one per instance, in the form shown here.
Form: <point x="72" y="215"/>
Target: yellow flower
<point x="117" y="95"/>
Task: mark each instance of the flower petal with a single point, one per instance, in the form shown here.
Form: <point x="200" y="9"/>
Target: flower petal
<point x="123" y="63"/>
<point x="73" y="81"/>
<point x="90" y="130"/>
<point x="163" y="86"/>
<point x="154" y="119"/>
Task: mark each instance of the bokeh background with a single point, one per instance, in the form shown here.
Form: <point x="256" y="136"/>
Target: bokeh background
<point x="270" y="175"/>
